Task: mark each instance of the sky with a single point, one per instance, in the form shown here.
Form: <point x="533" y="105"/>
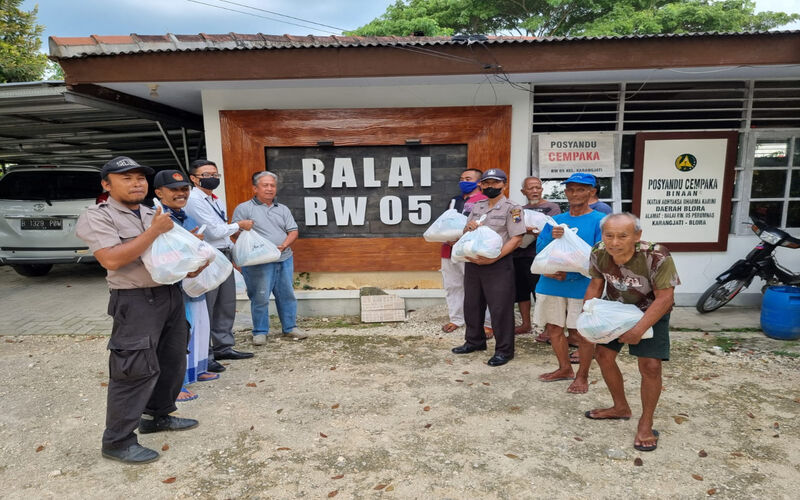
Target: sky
<point x="156" y="17"/>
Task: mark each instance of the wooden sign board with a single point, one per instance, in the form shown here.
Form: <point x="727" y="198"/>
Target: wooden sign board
<point x="248" y="134"/>
<point x="683" y="188"/>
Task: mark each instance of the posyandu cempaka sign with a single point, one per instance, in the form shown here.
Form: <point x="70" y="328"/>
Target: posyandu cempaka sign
<point x="366" y="191"/>
<point x="561" y="155"/>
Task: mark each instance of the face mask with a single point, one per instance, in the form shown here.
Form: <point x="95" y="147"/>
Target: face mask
<point x="209" y="183"/>
<point x="467" y="187"/>
<point x="492" y="192"/>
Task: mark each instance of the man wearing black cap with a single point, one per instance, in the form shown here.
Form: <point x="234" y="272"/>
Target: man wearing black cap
<point x="148" y="341"/>
<point x="172" y="189"/>
<point x="491" y="281"/>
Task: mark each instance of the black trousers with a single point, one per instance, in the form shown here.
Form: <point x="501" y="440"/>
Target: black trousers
<point x="493" y="286"/>
<point x="147" y="358"/>
<point x="524" y="280"/>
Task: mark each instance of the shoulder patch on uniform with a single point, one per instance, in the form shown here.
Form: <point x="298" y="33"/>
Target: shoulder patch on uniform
<point x="516" y="214"/>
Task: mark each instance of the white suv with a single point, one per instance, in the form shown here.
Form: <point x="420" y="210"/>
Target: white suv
<point x="39" y="206"/>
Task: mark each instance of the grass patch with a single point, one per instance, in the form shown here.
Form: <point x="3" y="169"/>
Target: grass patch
<point x="727" y="344"/>
<point x="787" y="354"/>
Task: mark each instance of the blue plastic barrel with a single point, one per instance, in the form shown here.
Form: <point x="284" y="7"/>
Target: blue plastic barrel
<point x="780" y="312"/>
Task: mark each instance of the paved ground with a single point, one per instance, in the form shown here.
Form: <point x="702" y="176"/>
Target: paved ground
<point x="72" y="299"/>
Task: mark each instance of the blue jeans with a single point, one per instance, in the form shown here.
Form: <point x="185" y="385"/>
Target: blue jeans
<point x="274" y="278"/>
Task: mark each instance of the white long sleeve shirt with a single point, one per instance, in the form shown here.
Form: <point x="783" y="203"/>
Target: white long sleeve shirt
<point x="205" y="209"/>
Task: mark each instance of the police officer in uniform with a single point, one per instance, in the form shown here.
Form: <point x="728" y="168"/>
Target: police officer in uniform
<point x="491" y="281"/>
<point x="150" y="334"/>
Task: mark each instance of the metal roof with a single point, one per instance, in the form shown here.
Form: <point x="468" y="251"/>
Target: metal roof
<point x="46" y="123"/>
<point x="95" y="45"/>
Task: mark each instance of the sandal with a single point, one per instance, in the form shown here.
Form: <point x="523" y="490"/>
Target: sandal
<point x="543" y="338"/>
<point x="641" y="447"/>
<point x="449" y="327"/>
<point x="488" y="332"/>
<point x="207" y="377"/>
<point x="185" y="395"/>
<point x="574" y="358"/>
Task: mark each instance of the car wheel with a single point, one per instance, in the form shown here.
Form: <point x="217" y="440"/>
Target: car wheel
<point x="32" y="269"/>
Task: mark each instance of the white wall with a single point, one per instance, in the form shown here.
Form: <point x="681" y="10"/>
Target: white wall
<point x="697" y="269"/>
<point x="379" y="97"/>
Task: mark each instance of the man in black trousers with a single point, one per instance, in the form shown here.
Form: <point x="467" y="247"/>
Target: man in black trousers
<point x="491" y="281"/>
<point x="147" y="349"/>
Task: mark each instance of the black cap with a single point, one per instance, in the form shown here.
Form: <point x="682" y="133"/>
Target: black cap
<point x="122" y="164"/>
<point x="170" y="179"/>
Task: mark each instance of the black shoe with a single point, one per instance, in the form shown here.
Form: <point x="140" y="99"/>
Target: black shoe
<point x="233" y="354"/>
<point x="133" y="454"/>
<point x="165" y="423"/>
<point x="499" y="360"/>
<point x="215" y="367"/>
<point x="466" y="348"/>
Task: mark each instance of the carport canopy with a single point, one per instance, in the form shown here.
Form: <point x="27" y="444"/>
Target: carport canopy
<point x="48" y="123"/>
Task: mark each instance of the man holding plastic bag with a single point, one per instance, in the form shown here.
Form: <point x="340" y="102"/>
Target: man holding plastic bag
<point x="559" y="294"/>
<point x="172" y="189"/>
<point x="640" y="273"/>
<point x="453" y="272"/>
<point x="147" y="348"/>
<point x="274" y="222"/>
<point x="524" y="280"/>
<point x="206" y="209"/>
<point x="490" y="281"/>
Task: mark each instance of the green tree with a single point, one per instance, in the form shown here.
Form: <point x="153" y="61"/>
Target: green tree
<point x="571" y="17"/>
<point x="20" y="59"/>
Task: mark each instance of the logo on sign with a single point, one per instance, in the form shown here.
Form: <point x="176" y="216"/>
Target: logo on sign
<point x="685" y="162"/>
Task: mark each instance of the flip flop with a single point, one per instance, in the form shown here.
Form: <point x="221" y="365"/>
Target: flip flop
<point x="179" y="399"/>
<point x="574" y="359"/>
<point x="449" y="327"/>
<point x="588" y="414"/>
<point x="640" y="447"/>
<point x="212" y="376"/>
<point x="542" y="338"/>
<point x="556" y="379"/>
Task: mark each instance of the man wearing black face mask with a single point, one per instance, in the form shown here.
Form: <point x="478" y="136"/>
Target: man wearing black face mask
<point x="204" y="207"/>
<point x="490" y="282"/>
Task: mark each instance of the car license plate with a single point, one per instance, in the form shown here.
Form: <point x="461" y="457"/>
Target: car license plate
<point x="45" y="224"/>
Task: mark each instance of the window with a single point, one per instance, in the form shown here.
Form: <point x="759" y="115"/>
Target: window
<point x="775" y="184"/>
<point x="50" y="185"/>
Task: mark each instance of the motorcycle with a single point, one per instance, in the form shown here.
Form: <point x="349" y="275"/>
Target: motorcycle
<point x="759" y="262"/>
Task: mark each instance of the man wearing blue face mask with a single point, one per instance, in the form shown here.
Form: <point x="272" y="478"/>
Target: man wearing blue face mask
<point x="453" y="272"/>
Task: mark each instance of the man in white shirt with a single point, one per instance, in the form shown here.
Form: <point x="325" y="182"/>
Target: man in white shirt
<point x="205" y="208"/>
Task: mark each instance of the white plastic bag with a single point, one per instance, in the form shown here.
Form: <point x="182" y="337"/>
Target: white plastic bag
<point x="568" y="253"/>
<point x="241" y="286"/>
<point x="448" y="227"/>
<point x="251" y="249"/>
<point x="483" y="242"/>
<point x="209" y="278"/>
<point x="175" y="254"/>
<point x="537" y="220"/>
<point x="605" y="320"/>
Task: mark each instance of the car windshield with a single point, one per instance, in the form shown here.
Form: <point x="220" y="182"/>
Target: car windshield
<point x="50" y="185"/>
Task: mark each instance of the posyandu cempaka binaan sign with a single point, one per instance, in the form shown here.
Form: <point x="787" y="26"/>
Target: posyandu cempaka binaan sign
<point x="366" y="191"/>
